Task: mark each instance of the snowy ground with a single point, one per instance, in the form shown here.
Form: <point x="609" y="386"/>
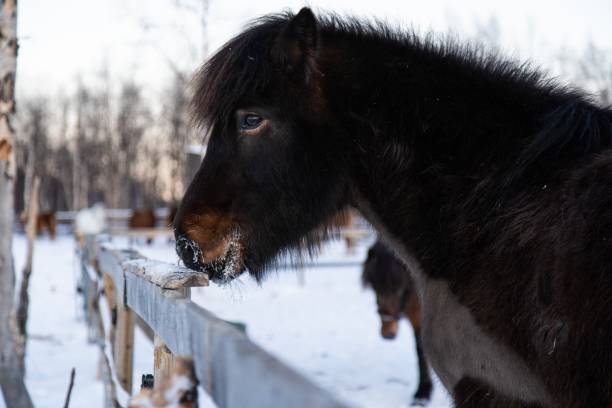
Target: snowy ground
<point x="327" y="329"/>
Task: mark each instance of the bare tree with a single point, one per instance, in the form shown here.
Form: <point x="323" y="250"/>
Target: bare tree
<point x="133" y="119"/>
<point x="199" y="8"/>
<point x="178" y="129"/>
<point x="595" y="68"/>
<point x="11" y="376"/>
<point x="488" y="34"/>
<point x="35" y="141"/>
<point x="91" y="175"/>
<point x="62" y="161"/>
<point x="591" y="69"/>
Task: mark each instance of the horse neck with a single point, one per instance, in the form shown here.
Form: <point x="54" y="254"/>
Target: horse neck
<point x="422" y="127"/>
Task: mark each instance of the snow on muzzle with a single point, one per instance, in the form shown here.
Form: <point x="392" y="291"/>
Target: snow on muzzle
<point x="221" y="269"/>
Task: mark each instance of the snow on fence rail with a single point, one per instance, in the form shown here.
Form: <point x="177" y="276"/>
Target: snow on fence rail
<point x="234" y="371"/>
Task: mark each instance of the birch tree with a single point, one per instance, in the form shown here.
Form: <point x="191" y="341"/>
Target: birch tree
<point x="11" y="376"/>
<point x="177" y="126"/>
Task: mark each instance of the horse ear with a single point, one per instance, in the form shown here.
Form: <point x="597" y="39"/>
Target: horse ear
<point x="297" y="45"/>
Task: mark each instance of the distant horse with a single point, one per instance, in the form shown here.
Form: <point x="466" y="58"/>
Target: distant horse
<point x="396" y="296"/>
<point x="44" y="221"/>
<point x="489" y="180"/>
<point x="143" y="218"/>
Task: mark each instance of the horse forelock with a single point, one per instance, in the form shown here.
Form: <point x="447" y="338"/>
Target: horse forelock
<point x="239" y="70"/>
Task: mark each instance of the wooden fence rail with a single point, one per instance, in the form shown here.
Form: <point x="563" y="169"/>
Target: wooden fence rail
<point x="233" y="370"/>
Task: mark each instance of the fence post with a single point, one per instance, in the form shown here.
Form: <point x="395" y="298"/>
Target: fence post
<point x="163" y="359"/>
<point x="121" y="334"/>
<point x="123" y="352"/>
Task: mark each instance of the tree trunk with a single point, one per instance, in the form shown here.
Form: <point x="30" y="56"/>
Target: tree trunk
<point x="24" y="297"/>
<point x="11" y="376"/>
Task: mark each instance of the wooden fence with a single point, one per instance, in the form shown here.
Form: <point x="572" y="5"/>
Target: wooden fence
<point x="122" y="289"/>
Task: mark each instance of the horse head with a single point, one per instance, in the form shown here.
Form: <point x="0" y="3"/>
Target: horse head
<point x="273" y="172"/>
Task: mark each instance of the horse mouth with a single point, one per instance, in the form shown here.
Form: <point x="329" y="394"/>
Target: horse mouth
<point x="220" y="270"/>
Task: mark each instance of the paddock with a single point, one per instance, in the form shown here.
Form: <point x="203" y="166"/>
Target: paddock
<point x="234" y="371"/>
<point x="327" y="329"/>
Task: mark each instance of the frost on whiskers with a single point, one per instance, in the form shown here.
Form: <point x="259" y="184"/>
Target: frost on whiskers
<point x="231" y="263"/>
<point x="220" y="270"/>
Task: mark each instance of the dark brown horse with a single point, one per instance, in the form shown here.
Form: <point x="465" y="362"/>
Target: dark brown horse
<point x="143" y="218"/>
<point x="489" y="180"/>
<point x="45" y="221"/>
<point x="396" y="296"/>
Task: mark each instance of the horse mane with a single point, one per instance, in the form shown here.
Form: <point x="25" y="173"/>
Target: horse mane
<point x="574" y="128"/>
<point x="240" y="68"/>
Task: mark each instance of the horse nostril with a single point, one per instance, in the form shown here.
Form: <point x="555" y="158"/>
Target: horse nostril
<point x="389" y="335"/>
<point x="189" y="252"/>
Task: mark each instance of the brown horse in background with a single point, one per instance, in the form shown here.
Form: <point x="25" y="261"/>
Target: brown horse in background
<point x="396" y="297"/>
<point x="143" y="218"/>
<point x="44" y="221"/>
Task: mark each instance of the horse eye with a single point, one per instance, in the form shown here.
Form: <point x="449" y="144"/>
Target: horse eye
<point x="250" y="122"/>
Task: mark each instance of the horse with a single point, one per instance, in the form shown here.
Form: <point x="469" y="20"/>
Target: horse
<point x="491" y="181"/>
<point x="44" y="221"/>
<point x="143" y="218"/>
<point x="396" y="296"/>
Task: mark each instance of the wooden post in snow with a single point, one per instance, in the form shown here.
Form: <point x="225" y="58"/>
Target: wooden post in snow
<point x="11" y="376"/>
<point x="163" y="363"/>
<point x="123" y="352"/>
<point x="121" y="333"/>
<point x="24" y="298"/>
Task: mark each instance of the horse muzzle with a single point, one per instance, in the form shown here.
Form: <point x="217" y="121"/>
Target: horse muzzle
<point x="221" y="269"/>
<point x="388" y="329"/>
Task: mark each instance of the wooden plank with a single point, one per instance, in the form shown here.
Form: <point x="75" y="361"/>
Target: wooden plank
<point x="109" y="261"/>
<point x="165" y="275"/>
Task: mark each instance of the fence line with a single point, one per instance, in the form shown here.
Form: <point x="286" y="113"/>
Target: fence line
<point x="233" y="370"/>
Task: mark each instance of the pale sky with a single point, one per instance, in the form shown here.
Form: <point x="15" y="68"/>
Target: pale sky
<point x="63" y="40"/>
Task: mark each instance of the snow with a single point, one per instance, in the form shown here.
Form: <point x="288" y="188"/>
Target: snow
<point x="57" y="333"/>
<point x="328" y="328"/>
<point x="154" y="270"/>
